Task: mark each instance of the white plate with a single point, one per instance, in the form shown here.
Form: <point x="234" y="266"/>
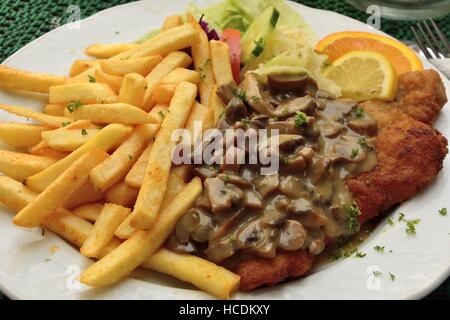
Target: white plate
<point x="29" y="270"/>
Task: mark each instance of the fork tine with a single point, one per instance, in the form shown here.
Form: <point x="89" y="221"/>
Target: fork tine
<point x="441" y="50"/>
<point x="441" y="36"/>
<point x="420" y="43"/>
<point x="433" y="52"/>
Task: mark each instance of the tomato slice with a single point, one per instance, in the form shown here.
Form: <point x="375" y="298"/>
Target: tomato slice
<point x="233" y="38"/>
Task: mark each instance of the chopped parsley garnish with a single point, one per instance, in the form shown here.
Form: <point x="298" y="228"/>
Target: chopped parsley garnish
<point x="239" y="93"/>
<point x="411" y="226"/>
<point x="379" y="248"/>
<point x="359" y="254"/>
<point x="299" y="119"/>
<point x="130" y="157"/>
<point x="285" y="111"/>
<point x="92" y="79"/>
<point x="392" y="276"/>
<point x="285" y="161"/>
<point x="443" y="212"/>
<point x="359" y="113"/>
<point x="390" y="221"/>
<point x="74" y="105"/>
<point x="377" y="273"/>
<point x="161" y="114"/>
<point x="362" y="142"/>
<point x="65" y="124"/>
<point x="352" y="216"/>
<point x="341" y="253"/>
<point x="256" y="99"/>
<point x="84" y="132"/>
<point x="401" y="217"/>
<point x="355" y="152"/>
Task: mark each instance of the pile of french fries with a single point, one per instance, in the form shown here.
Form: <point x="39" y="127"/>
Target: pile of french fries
<point x="98" y="168"/>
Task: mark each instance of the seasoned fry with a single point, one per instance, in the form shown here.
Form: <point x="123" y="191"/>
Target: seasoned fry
<point x="136" y="65"/>
<point x="29" y="81"/>
<point x="85" y="194"/>
<point x="80" y="66"/>
<point x="84" y="93"/>
<point x="108" y="137"/>
<point x="59" y="190"/>
<point x="51" y="121"/>
<point x="47" y="152"/>
<point x="21" y="135"/>
<point x="172" y="61"/>
<point x="164" y="43"/>
<point x="172" y="22"/>
<point x="159" y="112"/>
<point x="221" y="65"/>
<point x="154" y="185"/>
<point x="114" y="82"/>
<point x="202" y="273"/>
<point x="216" y="104"/>
<point x="163" y="93"/>
<point x="202" y="61"/>
<point x="142" y="244"/>
<point x="68" y="140"/>
<point x="55" y="110"/>
<point x="125" y="230"/>
<point x="20" y="166"/>
<point x="133" y="89"/>
<point x="122" y="194"/>
<point x="200" y="114"/>
<point x="136" y="175"/>
<point x="87" y="75"/>
<point x="105" y="51"/>
<point x="89" y="212"/>
<point x="103" y="232"/>
<point x="111" y="113"/>
<point x="114" y="169"/>
<point x="195" y="270"/>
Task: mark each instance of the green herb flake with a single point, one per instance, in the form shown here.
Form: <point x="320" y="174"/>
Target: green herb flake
<point x="130" y="157"/>
<point x="355" y="152"/>
<point x="379" y="248"/>
<point x="392" y="276"/>
<point x="74" y="105"/>
<point x="390" y="221"/>
<point x="65" y="124"/>
<point x="411" y="226"/>
<point x="256" y="99"/>
<point x="443" y="212"/>
<point x="352" y="216"/>
<point x="84" y="132"/>
<point x="377" y="273"/>
<point x="161" y="114"/>
<point x="359" y="113"/>
<point x="362" y="142"/>
<point x="300" y="118"/>
<point x="239" y="93"/>
<point x="401" y="217"/>
<point x="359" y="254"/>
<point x="92" y="79"/>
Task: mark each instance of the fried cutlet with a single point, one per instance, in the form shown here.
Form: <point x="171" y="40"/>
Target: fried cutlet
<point x="410" y="154"/>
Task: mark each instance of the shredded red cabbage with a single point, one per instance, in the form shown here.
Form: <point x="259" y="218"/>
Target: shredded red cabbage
<point x="212" y="34"/>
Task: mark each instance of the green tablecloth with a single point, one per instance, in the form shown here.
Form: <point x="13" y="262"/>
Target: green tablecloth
<point x="23" y="21"/>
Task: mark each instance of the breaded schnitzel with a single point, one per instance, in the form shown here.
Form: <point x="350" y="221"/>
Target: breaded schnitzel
<point x="410" y="154"/>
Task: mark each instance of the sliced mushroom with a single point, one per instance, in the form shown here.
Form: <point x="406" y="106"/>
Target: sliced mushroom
<point x="235" y="110"/>
<point x="315" y="219"/>
<point x="346" y="149"/>
<point x="315" y="241"/>
<point x="202" y="202"/>
<point x="175" y="245"/>
<point x="329" y="128"/>
<point x="285" y="127"/>
<point x="299" y="160"/>
<point x="337" y="109"/>
<point x="323" y="191"/>
<point x="258" y="238"/>
<point x="233" y="159"/>
<point x="196" y="224"/>
<point x="365" y="125"/>
<point x="222" y="196"/>
<point x="274" y="213"/>
<point x="206" y="171"/>
<point x="218" y="251"/>
<point x="293" y="187"/>
<point x="301" y="84"/>
<point x="232" y="178"/>
<point x="300" y="206"/>
<point x="290" y="142"/>
<point x="255" y="97"/>
<point x="322" y="94"/>
<point x="266" y="184"/>
<point x="303" y="104"/>
<point x="292" y="236"/>
<point x="319" y="168"/>
<point x="252" y="199"/>
<point x="226" y="92"/>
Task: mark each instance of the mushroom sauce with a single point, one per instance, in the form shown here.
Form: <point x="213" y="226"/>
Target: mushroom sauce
<point x="322" y="142"/>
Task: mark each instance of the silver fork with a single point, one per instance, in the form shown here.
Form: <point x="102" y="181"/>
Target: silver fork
<point x="431" y="40"/>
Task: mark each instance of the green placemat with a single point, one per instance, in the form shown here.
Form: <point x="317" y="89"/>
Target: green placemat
<point x="24" y="21"/>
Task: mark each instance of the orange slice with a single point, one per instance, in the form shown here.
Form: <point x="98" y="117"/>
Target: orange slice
<point x="338" y="44"/>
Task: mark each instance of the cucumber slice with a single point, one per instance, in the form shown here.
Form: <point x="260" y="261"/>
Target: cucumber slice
<point x="254" y="40"/>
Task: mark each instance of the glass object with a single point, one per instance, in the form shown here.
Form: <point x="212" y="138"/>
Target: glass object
<point x="406" y="9"/>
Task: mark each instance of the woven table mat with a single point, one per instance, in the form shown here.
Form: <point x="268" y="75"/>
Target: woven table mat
<point x="23" y="21"/>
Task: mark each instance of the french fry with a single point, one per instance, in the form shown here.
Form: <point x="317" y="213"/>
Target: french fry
<point x="168" y="41"/>
<point x="202" y="61"/>
<point x="195" y="270"/>
<point x="85" y="93"/>
<point x="103" y="232"/>
<point x="21" y="135"/>
<point x="172" y="61"/>
<point x="55" y="110"/>
<point x="51" y="121"/>
<point x="87" y="75"/>
<point x="122" y="194"/>
<point x="105" y="51"/>
<point x="138" y="65"/>
<point x="114" y="169"/>
<point x="177" y="181"/>
<point x="154" y="185"/>
<point x="111" y="113"/>
<point x="89" y="212"/>
<point x="142" y="244"/>
<point x="136" y="174"/>
<point x="172" y="22"/>
<point x="200" y="114"/>
<point x="80" y="66"/>
<point x="221" y="65"/>
<point x="29" y="81"/>
<point x="59" y="190"/>
<point x="85" y="194"/>
<point x="159" y="111"/>
<point x="20" y="166"/>
<point x="108" y="137"/>
<point x="68" y="140"/>
<point x="48" y="152"/>
<point x="133" y="89"/>
<point x="163" y="93"/>
<point x="216" y="104"/>
<point x="114" y="82"/>
<point x="201" y="273"/>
